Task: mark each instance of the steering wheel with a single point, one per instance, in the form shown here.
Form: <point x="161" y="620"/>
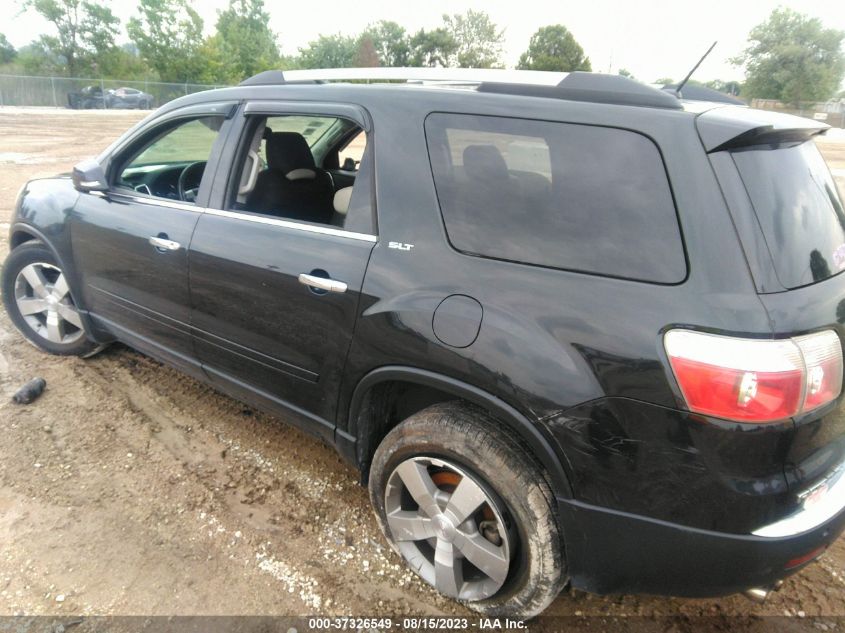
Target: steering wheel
<point x="189" y="181"/>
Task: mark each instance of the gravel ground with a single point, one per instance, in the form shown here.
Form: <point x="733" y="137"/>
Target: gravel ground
<point x="128" y="488"/>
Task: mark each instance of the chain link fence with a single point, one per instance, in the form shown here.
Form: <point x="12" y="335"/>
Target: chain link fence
<point x="81" y="93"/>
<point x="831" y="112"/>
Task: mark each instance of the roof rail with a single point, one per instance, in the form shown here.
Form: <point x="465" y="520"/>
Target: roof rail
<point x="575" y="86"/>
<point x="468" y="75"/>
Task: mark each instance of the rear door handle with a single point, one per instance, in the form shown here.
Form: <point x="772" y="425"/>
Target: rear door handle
<point x="163" y="244"/>
<point x="321" y="283"/>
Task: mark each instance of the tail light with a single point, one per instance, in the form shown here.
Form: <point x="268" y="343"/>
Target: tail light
<point x="752" y="380"/>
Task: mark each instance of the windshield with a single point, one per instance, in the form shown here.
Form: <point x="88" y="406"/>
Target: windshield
<point x="799" y="210"/>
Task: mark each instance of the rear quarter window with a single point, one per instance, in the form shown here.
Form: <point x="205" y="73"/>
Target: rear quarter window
<point x="574" y="197"/>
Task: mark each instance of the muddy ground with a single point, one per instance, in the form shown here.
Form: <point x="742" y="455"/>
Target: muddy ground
<point x="128" y="488"/>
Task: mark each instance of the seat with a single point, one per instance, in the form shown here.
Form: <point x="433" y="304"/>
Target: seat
<point x="292" y="186"/>
<point x="488" y="185"/>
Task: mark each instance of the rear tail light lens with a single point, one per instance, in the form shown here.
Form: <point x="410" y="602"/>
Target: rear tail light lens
<point x="751" y="380"/>
<point x="823" y="359"/>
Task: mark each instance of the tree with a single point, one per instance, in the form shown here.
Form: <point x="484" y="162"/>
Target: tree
<point x="793" y="58"/>
<point x="7" y="51"/>
<point x="168" y="34"/>
<point x="36" y="59"/>
<point x="84" y="31"/>
<point x="624" y="72"/>
<point x="665" y="81"/>
<point x="432" y="48"/>
<point x="479" y="41"/>
<point x="366" y="56"/>
<point x="728" y="87"/>
<point x="329" y="51"/>
<point x="554" y="48"/>
<point x="390" y="41"/>
<point x="245" y="44"/>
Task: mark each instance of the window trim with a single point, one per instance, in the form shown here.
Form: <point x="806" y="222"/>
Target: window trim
<point x="354" y="113"/>
<point x="665" y="170"/>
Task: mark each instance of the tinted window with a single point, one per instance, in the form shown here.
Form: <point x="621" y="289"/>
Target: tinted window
<point x="575" y="197"/>
<point x="799" y="210"/>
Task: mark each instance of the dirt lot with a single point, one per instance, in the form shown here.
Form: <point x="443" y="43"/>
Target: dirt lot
<point x="131" y="489"/>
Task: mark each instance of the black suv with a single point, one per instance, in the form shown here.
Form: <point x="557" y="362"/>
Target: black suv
<point x="570" y="328"/>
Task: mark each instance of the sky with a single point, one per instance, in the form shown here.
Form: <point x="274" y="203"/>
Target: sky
<point x="650" y="38"/>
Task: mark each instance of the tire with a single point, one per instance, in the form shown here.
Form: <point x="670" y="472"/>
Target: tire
<point x="32" y="280"/>
<point x="516" y="520"/>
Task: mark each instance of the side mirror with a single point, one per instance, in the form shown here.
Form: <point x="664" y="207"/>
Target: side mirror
<point x="89" y="176"/>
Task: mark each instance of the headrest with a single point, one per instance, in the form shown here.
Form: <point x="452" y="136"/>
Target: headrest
<point x="301" y="174"/>
<point x="485" y="162"/>
<point x="287" y="151"/>
<point x="341" y="200"/>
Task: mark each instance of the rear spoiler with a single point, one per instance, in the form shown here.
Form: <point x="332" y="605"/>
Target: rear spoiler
<point x="732" y="127"/>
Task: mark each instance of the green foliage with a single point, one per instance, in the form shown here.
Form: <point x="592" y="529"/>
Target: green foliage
<point x="168" y="34"/>
<point x="728" y="87"/>
<point x="390" y="41"/>
<point x="244" y="44"/>
<point x="479" y="41"/>
<point x="7" y="51"/>
<point x="793" y="58"/>
<point x="624" y="72"/>
<point x="84" y="34"/>
<point x="554" y="48"/>
<point x="432" y="48"/>
<point x="366" y="57"/>
<point x="36" y="59"/>
<point x="665" y="81"/>
<point x="329" y="51"/>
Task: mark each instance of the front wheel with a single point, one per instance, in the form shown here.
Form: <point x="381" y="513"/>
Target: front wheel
<point x="39" y="302"/>
<point x="470" y="511"/>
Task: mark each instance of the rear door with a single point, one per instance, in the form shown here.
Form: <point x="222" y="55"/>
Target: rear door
<point x="275" y="300"/>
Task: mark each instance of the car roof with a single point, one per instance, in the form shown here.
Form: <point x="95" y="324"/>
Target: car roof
<point x="722" y="122"/>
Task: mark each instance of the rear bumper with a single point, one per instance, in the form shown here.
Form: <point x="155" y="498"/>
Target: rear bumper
<point x="616" y="552"/>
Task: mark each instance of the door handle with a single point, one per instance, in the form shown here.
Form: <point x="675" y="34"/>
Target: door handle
<point x="163" y="244"/>
<point x="321" y="283"/>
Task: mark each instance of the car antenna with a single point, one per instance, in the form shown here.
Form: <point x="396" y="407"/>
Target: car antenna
<point x="694" y="68"/>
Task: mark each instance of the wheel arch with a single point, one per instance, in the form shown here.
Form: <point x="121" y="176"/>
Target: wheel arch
<point x="24" y="234"/>
<point x="368" y="421"/>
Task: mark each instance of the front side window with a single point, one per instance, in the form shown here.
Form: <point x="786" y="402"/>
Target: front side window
<point x="171" y="163"/>
<point x="573" y="197"/>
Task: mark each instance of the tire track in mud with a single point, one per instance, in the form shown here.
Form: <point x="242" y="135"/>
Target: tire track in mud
<point x="289" y="493"/>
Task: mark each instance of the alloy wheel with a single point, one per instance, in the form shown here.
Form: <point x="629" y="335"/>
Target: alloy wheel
<point x="43" y="299"/>
<point x="450" y="528"/>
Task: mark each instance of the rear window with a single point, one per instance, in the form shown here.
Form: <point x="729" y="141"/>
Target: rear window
<point x="574" y="197"/>
<point x="798" y="208"/>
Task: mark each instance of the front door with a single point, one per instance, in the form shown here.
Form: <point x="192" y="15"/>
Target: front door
<point x="276" y="275"/>
<point x="131" y="243"/>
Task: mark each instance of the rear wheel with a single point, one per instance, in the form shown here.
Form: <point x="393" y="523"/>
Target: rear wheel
<point x="38" y="299"/>
<point x="469" y="510"/>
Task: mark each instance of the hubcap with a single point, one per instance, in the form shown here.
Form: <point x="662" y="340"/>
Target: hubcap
<point x="43" y="299"/>
<point x="435" y="511"/>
